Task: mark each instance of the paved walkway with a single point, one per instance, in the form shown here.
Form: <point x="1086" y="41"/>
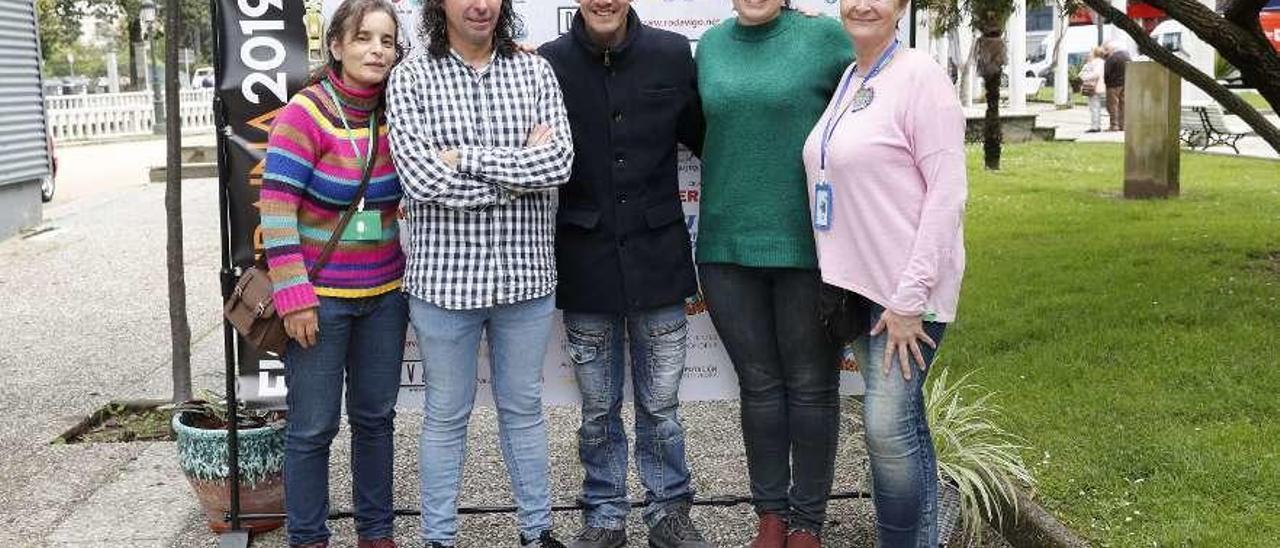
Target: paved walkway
<point x="85" y="322"/>
<point x="1072" y="124"/>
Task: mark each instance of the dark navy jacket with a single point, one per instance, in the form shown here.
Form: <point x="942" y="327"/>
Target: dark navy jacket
<point x="621" y="238"/>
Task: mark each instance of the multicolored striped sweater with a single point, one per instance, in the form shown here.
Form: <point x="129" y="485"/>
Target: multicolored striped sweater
<point x="311" y="176"/>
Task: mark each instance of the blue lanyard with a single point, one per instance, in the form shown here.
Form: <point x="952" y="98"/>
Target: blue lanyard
<point x="834" y="121"/>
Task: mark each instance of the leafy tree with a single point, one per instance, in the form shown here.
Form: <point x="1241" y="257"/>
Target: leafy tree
<point x="59" y="26"/>
<point x="987" y="18"/>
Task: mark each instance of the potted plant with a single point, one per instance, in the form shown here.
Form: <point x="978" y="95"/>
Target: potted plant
<point x="201" y="431"/>
<point x="979" y="465"/>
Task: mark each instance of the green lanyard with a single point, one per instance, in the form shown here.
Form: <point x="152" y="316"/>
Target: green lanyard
<point x="364" y="158"/>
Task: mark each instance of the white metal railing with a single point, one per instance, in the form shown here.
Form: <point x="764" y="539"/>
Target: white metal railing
<point x="82" y="117"/>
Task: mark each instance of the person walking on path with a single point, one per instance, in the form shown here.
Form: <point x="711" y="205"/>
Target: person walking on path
<point x="1113" y="78"/>
<point x="347" y="321"/>
<point x="1093" y="87"/>
<point x="765" y="78"/>
<point x="887" y="183"/>
<point x="480" y="135"/>
<point x="625" y="263"/>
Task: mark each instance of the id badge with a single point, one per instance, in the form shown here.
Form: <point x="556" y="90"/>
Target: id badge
<point x="822" y="199"/>
<point x="365" y="226"/>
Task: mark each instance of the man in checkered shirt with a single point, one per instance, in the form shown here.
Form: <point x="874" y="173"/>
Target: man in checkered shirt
<point x="481" y="141"/>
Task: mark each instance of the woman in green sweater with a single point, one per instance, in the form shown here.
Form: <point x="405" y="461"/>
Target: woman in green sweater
<point x="765" y="78"/>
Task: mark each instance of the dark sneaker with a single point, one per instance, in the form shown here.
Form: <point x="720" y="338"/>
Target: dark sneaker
<point x="676" y="530"/>
<point x="598" y="537"/>
<point x="435" y="544"/>
<point x="546" y="540"/>
<point x="385" y="542"/>
<point x="321" y="544"/>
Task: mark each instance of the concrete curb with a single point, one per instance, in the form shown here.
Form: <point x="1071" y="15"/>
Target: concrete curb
<point x="1035" y="527"/>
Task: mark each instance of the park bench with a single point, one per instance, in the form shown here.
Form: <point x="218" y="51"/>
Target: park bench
<point x="1205" y="126"/>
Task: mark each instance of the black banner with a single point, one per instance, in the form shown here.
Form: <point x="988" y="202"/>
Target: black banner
<point x="262" y="56"/>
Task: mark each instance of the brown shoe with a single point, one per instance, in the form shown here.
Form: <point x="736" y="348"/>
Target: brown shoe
<point x="385" y="542"/>
<point x="771" y="533"/>
<point x="803" y="539"/>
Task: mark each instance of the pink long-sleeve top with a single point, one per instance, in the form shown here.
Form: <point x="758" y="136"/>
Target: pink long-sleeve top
<point x="897" y="172"/>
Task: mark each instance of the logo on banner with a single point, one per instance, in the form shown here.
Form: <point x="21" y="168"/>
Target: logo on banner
<point x="565" y="16"/>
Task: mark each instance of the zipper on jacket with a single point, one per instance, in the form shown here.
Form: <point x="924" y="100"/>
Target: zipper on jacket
<point x="608" y="58"/>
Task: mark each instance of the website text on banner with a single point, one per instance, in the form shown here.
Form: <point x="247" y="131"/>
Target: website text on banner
<point x="708" y="373"/>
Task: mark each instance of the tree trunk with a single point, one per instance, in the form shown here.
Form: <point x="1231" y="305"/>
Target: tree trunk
<point x="179" y="327"/>
<point x="992" y="134"/>
<point x="135" y="38"/>
<point x="1222" y="95"/>
<point x="991" y="58"/>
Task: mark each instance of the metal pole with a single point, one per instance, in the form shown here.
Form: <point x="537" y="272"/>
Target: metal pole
<point x="235" y="537"/>
<point x="911" y="37"/>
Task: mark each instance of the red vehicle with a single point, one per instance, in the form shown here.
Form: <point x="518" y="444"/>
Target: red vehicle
<point x="1270" y="20"/>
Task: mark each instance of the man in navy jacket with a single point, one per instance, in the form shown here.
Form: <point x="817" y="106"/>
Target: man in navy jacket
<point x="624" y="261"/>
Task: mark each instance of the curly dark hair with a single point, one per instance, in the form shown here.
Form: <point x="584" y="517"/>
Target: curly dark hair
<point x="435" y="32"/>
<point x="345" y="20"/>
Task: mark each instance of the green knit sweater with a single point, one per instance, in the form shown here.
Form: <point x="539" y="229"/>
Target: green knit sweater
<point x="763" y="88"/>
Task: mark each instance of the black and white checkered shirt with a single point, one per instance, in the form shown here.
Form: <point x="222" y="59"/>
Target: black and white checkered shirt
<point x="483" y="234"/>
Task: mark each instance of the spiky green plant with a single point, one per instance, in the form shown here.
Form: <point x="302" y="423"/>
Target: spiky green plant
<point x="974" y="453"/>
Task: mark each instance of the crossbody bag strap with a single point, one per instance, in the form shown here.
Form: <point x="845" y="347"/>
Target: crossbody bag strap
<point x="351" y="209"/>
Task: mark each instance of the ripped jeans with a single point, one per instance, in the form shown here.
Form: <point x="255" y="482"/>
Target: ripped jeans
<point x="658" y="339"/>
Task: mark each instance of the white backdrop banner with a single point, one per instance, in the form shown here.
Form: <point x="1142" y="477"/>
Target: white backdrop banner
<point x="708" y="373"/>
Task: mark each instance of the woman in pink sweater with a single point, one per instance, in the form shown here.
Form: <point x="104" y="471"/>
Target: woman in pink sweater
<point x="886" y="170"/>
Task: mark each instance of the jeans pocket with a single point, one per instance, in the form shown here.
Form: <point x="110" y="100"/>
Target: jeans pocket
<point x="584" y="345"/>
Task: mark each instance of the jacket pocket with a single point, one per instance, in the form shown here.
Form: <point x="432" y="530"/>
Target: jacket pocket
<point x="663" y="214"/>
<point x="583" y="218"/>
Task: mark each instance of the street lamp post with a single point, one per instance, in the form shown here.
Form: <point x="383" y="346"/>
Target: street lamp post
<point x="147" y="15"/>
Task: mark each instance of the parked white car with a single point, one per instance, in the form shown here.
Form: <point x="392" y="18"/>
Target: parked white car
<point x="202" y="78"/>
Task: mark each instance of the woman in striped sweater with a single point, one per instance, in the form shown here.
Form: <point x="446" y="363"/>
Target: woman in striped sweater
<point x="347" y="321"/>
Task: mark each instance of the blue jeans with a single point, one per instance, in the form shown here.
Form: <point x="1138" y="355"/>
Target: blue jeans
<point x="360" y="341"/>
<point x="789" y="382"/>
<point x="449" y="341"/>
<point x="596" y="344"/>
<point x="903" y="466"/>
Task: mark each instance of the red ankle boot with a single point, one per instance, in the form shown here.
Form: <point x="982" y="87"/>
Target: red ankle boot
<point x="771" y="533"/>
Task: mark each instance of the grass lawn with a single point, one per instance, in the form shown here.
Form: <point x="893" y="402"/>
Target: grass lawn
<point x="1045" y="95"/>
<point x="1133" y="344"/>
<point x="1255" y="100"/>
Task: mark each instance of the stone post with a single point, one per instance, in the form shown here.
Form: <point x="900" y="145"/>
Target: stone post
<point x="1153" y="98"/>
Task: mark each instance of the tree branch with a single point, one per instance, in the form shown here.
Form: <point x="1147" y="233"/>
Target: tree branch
<point x="1244" y="13"/>
<point x="1149" y="47"/>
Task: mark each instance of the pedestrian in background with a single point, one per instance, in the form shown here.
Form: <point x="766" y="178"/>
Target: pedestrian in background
<point x="1093" y="87"/>
<point x="1113" y="77"/>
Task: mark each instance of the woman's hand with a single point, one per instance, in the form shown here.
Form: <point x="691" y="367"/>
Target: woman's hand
<point x="303" y="326"/>
<point x="905" y="334"/>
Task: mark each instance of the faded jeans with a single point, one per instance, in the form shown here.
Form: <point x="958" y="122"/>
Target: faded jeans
<point x="904" y="469"/>
<point x="596" y="343"/>
<point x="788" y="380"/>
<point x="1097" y="102"/>
<point x="360" y="344"/>
<point x="449" y="341"/>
